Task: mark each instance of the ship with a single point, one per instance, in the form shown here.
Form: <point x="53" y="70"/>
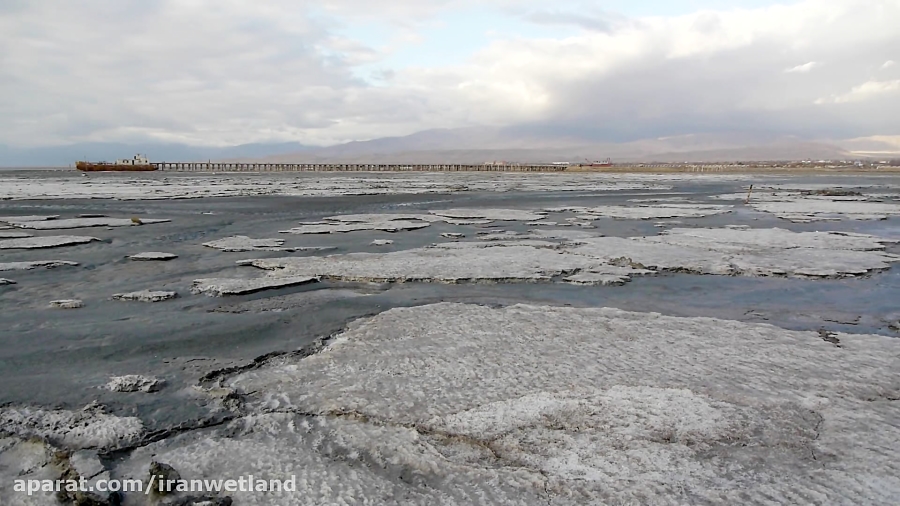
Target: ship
<point x="598" y="163"/>
<point x="137" y="163"/>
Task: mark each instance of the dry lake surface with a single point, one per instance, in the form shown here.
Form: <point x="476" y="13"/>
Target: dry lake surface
<point x="455" y="338"/>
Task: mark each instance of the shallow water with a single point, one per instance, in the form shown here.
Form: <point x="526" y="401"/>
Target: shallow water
<point x="62" y="358"/>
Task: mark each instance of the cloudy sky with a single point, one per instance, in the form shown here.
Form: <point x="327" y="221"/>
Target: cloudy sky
<point x="224" y="72"/>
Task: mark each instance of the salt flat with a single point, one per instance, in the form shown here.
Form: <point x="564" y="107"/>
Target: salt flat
<point x="527" y="339"/>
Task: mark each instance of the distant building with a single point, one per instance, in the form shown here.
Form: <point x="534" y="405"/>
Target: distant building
<point x="135" y="160"/>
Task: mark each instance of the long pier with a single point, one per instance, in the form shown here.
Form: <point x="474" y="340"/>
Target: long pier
<point x="351" y="167"/>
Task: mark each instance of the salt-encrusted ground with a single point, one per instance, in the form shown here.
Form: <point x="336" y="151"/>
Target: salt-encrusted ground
<point x="53" y="241"/>
<point x="153" y="256"/>
<point x="508" y="256"/>
<point x="821" y="202"/>
<point x="538" y="405"/>
<point x="645" y="211"/>
<point x="149" y="186"/>
<point x="26" y="266"/>
<point x="458" y="403"/>
<point x="57" y="224"/>
<point x="243" y="243"/>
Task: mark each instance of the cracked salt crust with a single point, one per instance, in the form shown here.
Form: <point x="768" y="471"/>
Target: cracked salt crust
<point x="754" y="252"/>
<point x="181" y="186"/>
<point x="145" y="296"/>
<point x="332" y="228"/>
<point x="652" y="212"/>
<point x="10" y="219"/>
<point x="26" y="266"/>
<point x="571" y="406"/>
<point x="83" y="223"/>
<point x="219" y="287"/>
<point x="14" y="234"/>
<point x="805" y="210"/>
<point x="50" y="241"/>
<point x="88" y="428"/>
<point x="244" y="243"/>
<point x="790" y="202"/>
<point x="446" y="264"/>
<point x="491" y="214"/>
<point x="153" y="255"/>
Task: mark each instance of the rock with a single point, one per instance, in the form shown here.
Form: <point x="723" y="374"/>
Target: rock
<point x="145" y="296"/>
<point x="25" y="266"/>
<point x="219" y="287"/>
<point x="4" y="281"/>
<point x="67" y="304"/>
<point x="134" y="383"/>
<point x="160" y="476"/>
<point x="153" y="255"/>
<point x="382" y="242"/>
<point x="51" y="241"/>
<point x="86" y="463"/>
<point x="453" y="235"/>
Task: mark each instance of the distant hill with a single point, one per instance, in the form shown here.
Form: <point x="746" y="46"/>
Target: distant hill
<point x="64" y="156"/>
<point x="483" y="145"/>
<point x="469" y="145"/>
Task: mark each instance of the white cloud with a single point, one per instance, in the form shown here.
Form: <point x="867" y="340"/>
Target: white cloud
<point x="236" y="71"/>
<point x="888" y="64"/>
<point x="802" y="69"/>
<point x="866" y="91"/>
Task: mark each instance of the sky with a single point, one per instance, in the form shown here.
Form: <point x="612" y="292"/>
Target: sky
<point x="228" y="72"/>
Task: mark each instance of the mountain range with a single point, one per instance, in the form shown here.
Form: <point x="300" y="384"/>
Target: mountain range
<point x="478" y="145"/>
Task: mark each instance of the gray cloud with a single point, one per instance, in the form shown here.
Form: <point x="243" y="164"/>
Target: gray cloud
<point x="209" y="72"/>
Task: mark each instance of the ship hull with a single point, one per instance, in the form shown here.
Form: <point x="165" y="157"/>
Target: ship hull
<point x="111" y="167"/>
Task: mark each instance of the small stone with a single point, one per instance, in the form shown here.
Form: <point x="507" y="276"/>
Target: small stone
<point x="160" y="475"/>
<point x="453" y="235"/>
<point x="382" y="242"/>
<point x="4" y="281"/>
<point x="67" y="304"/>
<point x="134" y="383"/>
<point x="145" y="296"/>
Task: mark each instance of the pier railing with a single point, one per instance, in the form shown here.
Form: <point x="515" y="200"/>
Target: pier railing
<point x="351" y="167"/>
